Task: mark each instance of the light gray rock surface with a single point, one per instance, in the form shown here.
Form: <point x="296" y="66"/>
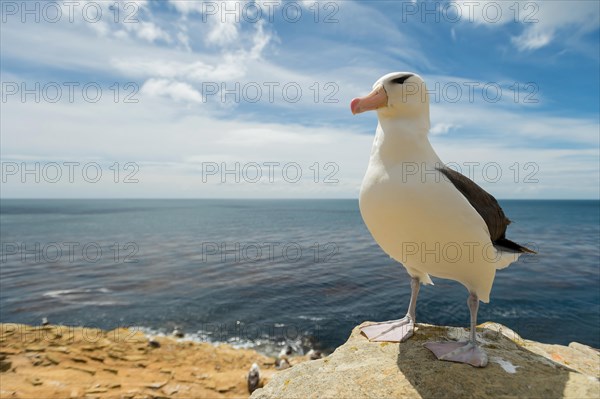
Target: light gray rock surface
<point x="517" y="368"/>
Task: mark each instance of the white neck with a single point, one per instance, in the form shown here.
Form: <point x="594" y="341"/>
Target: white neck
<point x="403" y="140"/>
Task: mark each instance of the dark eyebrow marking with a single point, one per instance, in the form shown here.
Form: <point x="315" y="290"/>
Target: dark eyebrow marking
<point x="401" y="79"/>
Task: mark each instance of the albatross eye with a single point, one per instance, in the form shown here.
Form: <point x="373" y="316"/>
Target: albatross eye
<point x="401" y="79"/>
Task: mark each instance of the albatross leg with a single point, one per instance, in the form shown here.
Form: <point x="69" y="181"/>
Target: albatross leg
<point x="396" y="330"/>
<point x="463" y="352"/>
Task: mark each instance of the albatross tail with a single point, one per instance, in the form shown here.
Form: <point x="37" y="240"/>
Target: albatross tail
<point x="504" y="244"/>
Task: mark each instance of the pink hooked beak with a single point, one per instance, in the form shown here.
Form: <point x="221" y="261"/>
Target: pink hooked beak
<point x="376" y="99"/>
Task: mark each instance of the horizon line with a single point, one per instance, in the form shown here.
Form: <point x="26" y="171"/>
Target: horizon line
<point x="268" y="198"/>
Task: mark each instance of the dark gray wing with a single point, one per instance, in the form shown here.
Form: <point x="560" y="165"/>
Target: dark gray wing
<point x="487" y="207"/>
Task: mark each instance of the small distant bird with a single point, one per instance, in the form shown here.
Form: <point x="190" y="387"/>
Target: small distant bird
<point x="45" y="321"/>
<point x="432" y="219"/>
<point x="314" y="354"/>
<point x="253" y="378"/>
<point x="178" y="333"/>
<point x="282" y="364"/>
<point x="283" y="361"/>
<point x="153" y="343"/>
<point x="286" y="352"/>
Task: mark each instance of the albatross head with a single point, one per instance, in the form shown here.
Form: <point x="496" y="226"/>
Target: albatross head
<point x="397" y="95"/>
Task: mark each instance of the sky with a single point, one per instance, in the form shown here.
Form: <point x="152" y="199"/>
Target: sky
<point x="250" y="99"/>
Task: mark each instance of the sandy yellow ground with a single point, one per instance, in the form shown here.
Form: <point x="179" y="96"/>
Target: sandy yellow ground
<point x="63" y="362"/>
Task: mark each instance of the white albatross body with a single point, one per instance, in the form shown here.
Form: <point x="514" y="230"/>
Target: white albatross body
<point x="433" y="220"/>
<point x="420" y="219"/>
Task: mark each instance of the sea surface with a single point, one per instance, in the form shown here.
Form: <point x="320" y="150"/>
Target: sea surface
<point x="263" y="273"/>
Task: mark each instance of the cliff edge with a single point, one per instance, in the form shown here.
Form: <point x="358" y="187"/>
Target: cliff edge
<point x="517" y="368"/>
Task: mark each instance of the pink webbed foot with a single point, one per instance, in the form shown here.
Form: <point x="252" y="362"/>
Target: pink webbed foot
<point x="390" y="331"/>
<point x="461" y="352"/>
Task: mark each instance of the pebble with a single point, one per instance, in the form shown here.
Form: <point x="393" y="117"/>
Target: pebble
<point x="96" y="390"/>
<point x="98" y="358"/>
<point x="52" y="359"/>
<point x="177" y="333"/>
<point x="134" y="358"/>
<point x="61" y="349"/>
<point x="154" y="344"/>
<point x="157" y="385"/>
<point x="5" y="365"/>
<point x="35" y="349"/>
<point x="84" y="369"/>
<point x="35" y="381"/>
<point x="109" y="370"/>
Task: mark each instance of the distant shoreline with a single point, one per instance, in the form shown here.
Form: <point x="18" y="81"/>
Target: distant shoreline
<point x="257" y="199"/>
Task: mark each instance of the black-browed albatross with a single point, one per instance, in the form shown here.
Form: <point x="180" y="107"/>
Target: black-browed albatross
<point x="432" y="219"/>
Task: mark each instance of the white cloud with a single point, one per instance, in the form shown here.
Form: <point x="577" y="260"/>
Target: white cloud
<point x="222" y="33"/>
<point x="489" y="123"/>
<point x="176" y="90"/>
<point x="543" y="22"/>
<point x="184" y="40"/>
<point x="260" y="40"/>
<point x="148" y="31"/>
<point x="228" y="69"/>
<point x="532" y="40"/>
<point x="222" y="18"/>
<point x="169" y="142"/>
<point x="441" y="128"/>
<point x="118" y="18"/>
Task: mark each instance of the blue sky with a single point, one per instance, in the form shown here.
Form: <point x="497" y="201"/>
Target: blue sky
<point x="181" y="136"/>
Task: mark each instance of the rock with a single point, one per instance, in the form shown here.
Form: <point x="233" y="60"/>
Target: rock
<point x="112" y="371"/>
<point x="577" y="357"/>
<point x="36" y="360"/>
<point x="134" y="358"/>
<point x="130" y="394"/>
<point x="61" y="349"/>
<point x="98" y="358"/>
<point x="96" y="389"/>
<point x="517" y="368"/>
<point x="34" y="381"/>
<point x="177" y="333"/>
<point x="224" y="388"/>
<point x="201" y="376"/>
<point x="88" y="370"/>
<point x="52" y="359"/>
<point x="35" y="349"/>
<point x="153" y="344"/>
<point x="157" y="385"/>
<point x="116" y="356"/>
<point x="5" y="365"/>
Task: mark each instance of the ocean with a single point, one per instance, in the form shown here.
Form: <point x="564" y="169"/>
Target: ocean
<point x="265" y="273"/>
